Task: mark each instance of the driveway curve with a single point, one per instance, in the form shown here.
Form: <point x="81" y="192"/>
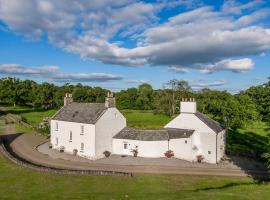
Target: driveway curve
<point x="24" y="146"/>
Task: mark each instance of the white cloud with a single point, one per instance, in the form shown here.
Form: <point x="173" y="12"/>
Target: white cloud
<point x="178" y="69"/>
<point x="52" y="72"/>
<point x="136" y="81"/>
<point x="241" y="65"/>
<point x="15" y="69"/>
<point x="101" y="29"/>
<point x="204" y="84"/>
<point x="86" y="77"/>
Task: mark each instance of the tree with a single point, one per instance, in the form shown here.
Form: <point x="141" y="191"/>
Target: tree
<point x="144" y="100"/>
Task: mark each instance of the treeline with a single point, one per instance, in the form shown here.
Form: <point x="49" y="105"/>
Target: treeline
<point x="231" y="110"/>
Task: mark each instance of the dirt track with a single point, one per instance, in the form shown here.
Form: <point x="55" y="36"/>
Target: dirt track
<point x="24" y="146"/>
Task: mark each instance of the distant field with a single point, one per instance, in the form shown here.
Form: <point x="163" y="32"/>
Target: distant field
<point x="135" y="118"/>
<point x="33" y="116"/>
<point x="145" y="119"/>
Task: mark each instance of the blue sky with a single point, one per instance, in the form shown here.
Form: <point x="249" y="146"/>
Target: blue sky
<point x="121" y="44"/>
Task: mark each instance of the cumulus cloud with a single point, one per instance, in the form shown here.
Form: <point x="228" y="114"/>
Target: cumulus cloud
<point x="86" y="77"/>
<point x="15" y="69"/>
<point x="240" y="65"/>
<point x="101" y="30"/>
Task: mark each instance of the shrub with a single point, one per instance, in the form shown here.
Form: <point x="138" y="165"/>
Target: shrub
<point x="107" y="154"/>
<point x="62" y="149"/>
<point x="169" y="154"/>
<point x="200" y="158"/>
<point x="135" y="152"/>
<point x="75" y="151"/>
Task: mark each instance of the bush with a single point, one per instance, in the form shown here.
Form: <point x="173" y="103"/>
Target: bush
<point x="200" y="158"/>
<point x="62" y="149"/>
<point x="107" y="154"/>
<point x="169" y="154"/>
<point x="135" y="152"/>
<point x="75" y="151"/>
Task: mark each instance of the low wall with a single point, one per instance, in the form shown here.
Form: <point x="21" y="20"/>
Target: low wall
<point x="11" y="156"/>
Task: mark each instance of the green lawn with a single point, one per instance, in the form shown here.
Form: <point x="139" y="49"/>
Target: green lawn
<point x="145" y="119"/>
<point x="19" y="183"/>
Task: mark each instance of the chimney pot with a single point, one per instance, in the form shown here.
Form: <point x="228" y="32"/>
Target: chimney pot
<point x="68" y="99"/>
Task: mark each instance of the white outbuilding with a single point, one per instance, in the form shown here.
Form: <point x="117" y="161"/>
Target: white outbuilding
<point x="91" y="128"/>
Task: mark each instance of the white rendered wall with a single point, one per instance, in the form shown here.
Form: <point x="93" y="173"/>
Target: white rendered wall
<point x="108" y="125"/>
<point x="204" y="138"/>
<point x="181" y="149"/>
<point x="221" y="144"/>
<point x="63" y="135"/>
<point x="150" y="149"/>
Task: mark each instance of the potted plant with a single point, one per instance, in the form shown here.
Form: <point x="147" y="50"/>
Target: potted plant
<point x="62" y="149"/>
<point x="135" y="152"/>
<point x="107" y="154"/>
<point x="169" y="154"/>
<point x="50" y="145"/>
<point x="75" y="151"/>
<point x="200" y="158"/>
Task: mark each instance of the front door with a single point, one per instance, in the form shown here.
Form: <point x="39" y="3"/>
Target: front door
<point x="125" y="148"/>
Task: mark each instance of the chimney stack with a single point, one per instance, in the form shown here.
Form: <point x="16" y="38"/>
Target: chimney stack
<point x="110" y="100"/>
<point x="68" y="99"/>
<point x="188" y="106"/>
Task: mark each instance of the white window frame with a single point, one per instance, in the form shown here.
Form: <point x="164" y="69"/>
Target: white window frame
<point x="56" y="126"/>
<point x="70" y="136"/>
<point x="82" y="130"/>
<point x="82" y="147"/>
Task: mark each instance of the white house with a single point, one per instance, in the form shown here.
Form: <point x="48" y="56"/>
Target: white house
<point x="87" y="128"/>
<point x="95" y="128"/>
<point x="189" y="135"/>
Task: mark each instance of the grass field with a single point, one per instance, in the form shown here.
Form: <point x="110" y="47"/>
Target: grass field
<point x="33" y="116"/>
<point x="135" y="118"/>
<point x="19" y="183"/>
<point x="145" y="119"/>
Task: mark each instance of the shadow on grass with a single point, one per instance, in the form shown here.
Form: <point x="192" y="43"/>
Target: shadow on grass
<point x="233" y="184"/>
<point x="245" y="151"/>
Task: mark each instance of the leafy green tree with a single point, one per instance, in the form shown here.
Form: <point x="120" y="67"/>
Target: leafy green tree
<point x="144" y="100"/>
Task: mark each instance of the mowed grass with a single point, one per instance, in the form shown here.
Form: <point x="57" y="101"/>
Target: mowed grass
<point x="20" y="183"/>
<point x="145" y="119"/>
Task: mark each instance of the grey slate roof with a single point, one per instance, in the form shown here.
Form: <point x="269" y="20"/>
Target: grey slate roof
<point x="87" y="113"/>
<point x="215" y="126"/>
<point x="153" y="135"/>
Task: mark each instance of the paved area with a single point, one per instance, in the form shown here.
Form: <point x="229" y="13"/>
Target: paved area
<point x="129" y="160"/>
<point x="24" y="145"/>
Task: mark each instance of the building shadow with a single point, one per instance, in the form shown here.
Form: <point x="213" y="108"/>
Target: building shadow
<point x="233" y="184"/>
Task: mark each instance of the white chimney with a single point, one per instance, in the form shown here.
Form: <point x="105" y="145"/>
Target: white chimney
<point x="68" y="99"/>
<point x="188" y="106"/>
<point x="110" y="100"/>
